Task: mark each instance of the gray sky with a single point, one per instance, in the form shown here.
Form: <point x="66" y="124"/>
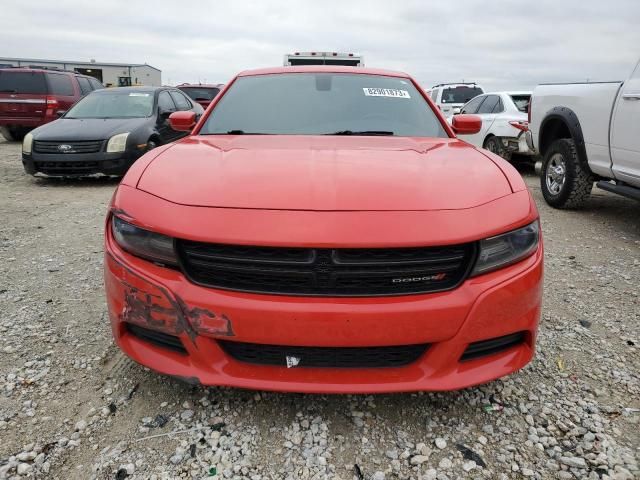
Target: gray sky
<point x="500" y="44"/>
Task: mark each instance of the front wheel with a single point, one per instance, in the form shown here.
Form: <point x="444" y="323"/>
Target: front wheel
<point x="564" y="181"/>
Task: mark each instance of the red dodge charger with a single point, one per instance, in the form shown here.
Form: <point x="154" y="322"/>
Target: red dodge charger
<point x="322" y="230"/>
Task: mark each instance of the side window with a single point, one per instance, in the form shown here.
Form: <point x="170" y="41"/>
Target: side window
<point x="472" y="106"/>
<point x="60" y="84"/>
<point x="165" y="103"/>
<point x="434" y="95"/>
<point x="489" y="104"/>
<point x="95" y="84"/>
<point x="499" y="108"/>
<point x="85" y="86"/>
<point x="181" y="101"/>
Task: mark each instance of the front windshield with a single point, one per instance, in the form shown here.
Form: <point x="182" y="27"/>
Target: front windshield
<point x="323" y="104"/>
<point x="460" y="94"/>
<point x="113" y="104"/>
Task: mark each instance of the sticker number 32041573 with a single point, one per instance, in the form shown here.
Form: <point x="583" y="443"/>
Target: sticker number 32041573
<point x="385" y="92"/>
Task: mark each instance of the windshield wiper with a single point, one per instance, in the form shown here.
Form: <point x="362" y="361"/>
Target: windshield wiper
<point x="362" y="132"/>
<point x="9" y="90"/>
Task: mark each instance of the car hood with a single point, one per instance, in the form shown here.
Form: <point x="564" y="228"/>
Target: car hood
<point x="71" y="129"/>
<point x="324" y="173"/>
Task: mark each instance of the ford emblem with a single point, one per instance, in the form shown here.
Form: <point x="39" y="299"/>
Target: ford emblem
<point x="65" y="148"/>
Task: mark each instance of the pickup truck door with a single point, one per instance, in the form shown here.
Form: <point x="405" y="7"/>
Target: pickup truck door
<point x="625" y="132"/>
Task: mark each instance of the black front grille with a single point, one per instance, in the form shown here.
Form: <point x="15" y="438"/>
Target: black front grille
<point x="326" y="272"/>
<point x="491" y="346"/>
<point x="92" y="146"/>
<point x="324" y="357"/>
<point x="67" y="168"/>
<point x="159" y="339"/>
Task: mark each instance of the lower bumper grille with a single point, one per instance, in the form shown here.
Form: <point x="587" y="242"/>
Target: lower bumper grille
<point x="324" y="357"/>
<point x="159" y="339"/>
<point x="491" y="346"/>
<point x="66" y="168"/>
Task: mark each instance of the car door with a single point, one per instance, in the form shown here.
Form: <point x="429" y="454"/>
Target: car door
<point x="625" y="141"/>
<point x="183" y="104"/>
<point x="471" y="107"/>
<point x="166" y="107"/>
<point x="487" y="112"/>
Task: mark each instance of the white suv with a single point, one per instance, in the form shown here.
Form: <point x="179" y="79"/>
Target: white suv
<point x="450" y="97"/>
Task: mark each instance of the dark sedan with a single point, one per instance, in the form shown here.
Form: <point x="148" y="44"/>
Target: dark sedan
<point x="106" y="132"/>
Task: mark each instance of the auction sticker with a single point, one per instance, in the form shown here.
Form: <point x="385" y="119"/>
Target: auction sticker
<point x="385" y="92"/>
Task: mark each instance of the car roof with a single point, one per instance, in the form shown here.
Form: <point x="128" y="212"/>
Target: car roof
<point x="509" y="92"/>
<point x="322" y="69"/>
<point x="459" y="84"/>
<point x="43" y="70"/>
<point x="205" y="85"/>
<point x="139" y="89"/>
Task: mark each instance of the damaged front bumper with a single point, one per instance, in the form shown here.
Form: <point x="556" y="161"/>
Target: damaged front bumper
<point x="170" y="325"/>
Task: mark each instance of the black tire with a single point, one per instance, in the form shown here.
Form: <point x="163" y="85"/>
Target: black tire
<point x="494" y="145"/>
<point x="9" y="134"/>
<point x="577" y="181"/>
<point x="152" y="143"/>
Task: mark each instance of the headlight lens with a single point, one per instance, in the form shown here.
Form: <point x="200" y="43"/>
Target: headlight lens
<point x="27" y="143"/>
<point x="502" y="250"/>
<point x="117" y="143"/>
<point x="149" y="245"/>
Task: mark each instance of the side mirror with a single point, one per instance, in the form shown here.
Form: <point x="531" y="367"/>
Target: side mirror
<point x="182" y="121"/>
<point x="465" y="124"/>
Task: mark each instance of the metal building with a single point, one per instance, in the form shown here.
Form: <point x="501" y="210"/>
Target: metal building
<point x="110" y="74"/>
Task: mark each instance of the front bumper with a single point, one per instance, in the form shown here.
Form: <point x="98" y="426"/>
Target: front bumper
<point x="163" y="300"/>
<point x="68" y="165"/>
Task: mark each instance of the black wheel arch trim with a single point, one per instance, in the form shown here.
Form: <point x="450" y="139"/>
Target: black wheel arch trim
<point x="570" y="120"/>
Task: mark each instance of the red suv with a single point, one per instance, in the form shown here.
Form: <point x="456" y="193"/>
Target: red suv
<point x="322" y="229"/>
<point x="32" y="97"/>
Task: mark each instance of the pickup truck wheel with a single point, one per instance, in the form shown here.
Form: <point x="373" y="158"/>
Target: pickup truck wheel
<point x="494" y="145"/>
<point x="564" y="181"/>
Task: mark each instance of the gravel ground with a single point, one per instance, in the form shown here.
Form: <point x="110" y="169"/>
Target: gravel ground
<point x="72" y="406"/>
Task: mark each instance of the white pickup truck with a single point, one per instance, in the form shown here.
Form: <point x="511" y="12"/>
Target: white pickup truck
<point x="586" y="133"/>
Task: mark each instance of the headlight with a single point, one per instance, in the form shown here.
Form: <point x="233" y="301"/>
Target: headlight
<point x="502" y="250"/>
<point x="117" y="143"/>
<point x="149" y="245"/>
<point x="27" y="143"/>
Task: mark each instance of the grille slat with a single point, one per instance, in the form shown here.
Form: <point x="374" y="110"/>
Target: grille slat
<point x="93" y="146"/>
<point x="325" y="357"/>
<point x="326" y="272"/>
